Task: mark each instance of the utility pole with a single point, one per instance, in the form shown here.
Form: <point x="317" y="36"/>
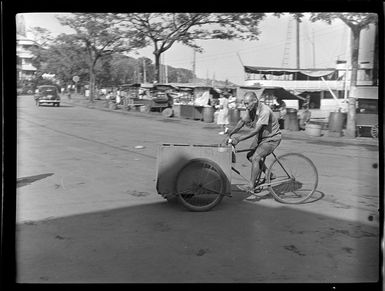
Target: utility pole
<point x="161" y="69"/>
<point x="313" y="44"/>
<point x="375" y="57"/>
<point x="144" y="71"/>
<point x="298" y="48"/>
<point x="194" y="65"/>
<point x="348" y="63"/>
<point x="239" y="57"/>
<point x="286" y="51"/>
<point x="165" y="68"/>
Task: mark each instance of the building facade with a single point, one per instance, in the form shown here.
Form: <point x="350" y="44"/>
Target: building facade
<point x="25" y="69"/>
<point x="326" y="88"/>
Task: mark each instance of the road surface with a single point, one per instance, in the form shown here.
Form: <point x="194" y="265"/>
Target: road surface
<point x="88" y="211"/>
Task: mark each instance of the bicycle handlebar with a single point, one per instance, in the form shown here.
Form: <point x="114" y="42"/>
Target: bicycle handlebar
<point x="237" y="151"/>
<point x="228" y="142"/>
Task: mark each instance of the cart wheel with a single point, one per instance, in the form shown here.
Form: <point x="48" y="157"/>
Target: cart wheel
<point x="200" y="185"/>
<point x="374" y="131"/>
<point x="167" y="112"/>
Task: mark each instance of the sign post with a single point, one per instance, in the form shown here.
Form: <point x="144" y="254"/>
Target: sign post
<point x="76" y="80"/>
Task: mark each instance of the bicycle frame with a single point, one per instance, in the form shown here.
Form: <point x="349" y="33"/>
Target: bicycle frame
<point x="261" y="186"/>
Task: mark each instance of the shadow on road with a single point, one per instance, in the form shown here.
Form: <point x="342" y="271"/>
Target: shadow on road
<point x="265" y="194"/>
<point x="317" y="195"/>
<point x="28" y="180"/>
<point x="163" y="242"/>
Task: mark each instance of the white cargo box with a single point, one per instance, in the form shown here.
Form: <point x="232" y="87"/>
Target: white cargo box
<point x="171" y="158"/>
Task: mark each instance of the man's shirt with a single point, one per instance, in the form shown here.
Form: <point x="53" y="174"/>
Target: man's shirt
<point x="263" y="115"/>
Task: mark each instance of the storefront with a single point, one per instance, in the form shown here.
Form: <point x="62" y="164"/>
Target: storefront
<point x="191" y="100"/>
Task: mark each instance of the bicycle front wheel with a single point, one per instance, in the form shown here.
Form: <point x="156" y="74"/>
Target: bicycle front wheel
<point x="200" y="185"/>
<point x="295" y="178"/>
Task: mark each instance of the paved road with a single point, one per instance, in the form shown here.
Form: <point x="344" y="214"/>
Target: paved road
<point x="88" y="211"/>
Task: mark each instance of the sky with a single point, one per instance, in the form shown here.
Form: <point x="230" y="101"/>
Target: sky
<point x="321" y="45"/>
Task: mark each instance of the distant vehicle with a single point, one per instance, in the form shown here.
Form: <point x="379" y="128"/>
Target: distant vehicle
<point x="47" y="94"/>
<point x="25" y="90"/>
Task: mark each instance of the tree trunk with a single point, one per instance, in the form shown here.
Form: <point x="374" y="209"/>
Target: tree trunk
<point x="92" y="83"/>
<point x="157" y="66"/>
<point x="351" y="119"/>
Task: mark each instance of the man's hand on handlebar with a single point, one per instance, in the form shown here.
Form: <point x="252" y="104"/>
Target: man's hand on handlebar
<point x="233" y="140"/>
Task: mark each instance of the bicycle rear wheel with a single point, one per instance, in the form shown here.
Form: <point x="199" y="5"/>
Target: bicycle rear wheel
<point x="299" y="178"/>
<point x="200" y="185"/>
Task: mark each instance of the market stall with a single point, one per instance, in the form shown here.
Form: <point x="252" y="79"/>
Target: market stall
<point x="192" y="101"/>
<point x="148" y="97"/>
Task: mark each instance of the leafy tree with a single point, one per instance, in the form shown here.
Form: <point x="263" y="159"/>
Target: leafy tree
<point x="179" y="75"/>
<point x="122" y="69"/>
<point x="356" y="22"/>
<point x="42" y="38"/>
<point x="103" y="72"/>
<point x="101" y="35"/>
<point x="162" y="30"/>
<point x="66" y="58"/>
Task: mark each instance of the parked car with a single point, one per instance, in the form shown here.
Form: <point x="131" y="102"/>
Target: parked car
<point x="47" y="94"/>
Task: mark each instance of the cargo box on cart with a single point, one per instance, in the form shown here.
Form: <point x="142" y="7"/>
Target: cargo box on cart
<point x="171" y="158"/>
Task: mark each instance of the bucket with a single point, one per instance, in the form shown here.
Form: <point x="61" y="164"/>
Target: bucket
<point x="208" y="114"/>
<point x="112" y="106"/>
<point x="291" y="119"/>
<point x="336" y="121"/>
<point x="313" y="129"/>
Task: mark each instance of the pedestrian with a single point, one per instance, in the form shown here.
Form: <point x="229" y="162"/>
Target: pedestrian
<point x="232" y="102"/>
<point x="118" y="99"/>
<point x="344" y="108"/>
<point x="305" y="116"/>
<point x="282" y="112"/>
<point x="223" y="112"/>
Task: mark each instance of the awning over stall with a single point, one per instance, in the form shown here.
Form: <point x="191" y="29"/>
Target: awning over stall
<point x="279" y="92"/>
<point x="285" y="71"/>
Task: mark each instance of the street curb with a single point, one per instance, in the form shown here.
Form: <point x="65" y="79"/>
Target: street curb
<point x="285" y="133"/>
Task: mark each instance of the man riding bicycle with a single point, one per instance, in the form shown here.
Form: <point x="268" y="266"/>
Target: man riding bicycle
<point x="266" y="132"/>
